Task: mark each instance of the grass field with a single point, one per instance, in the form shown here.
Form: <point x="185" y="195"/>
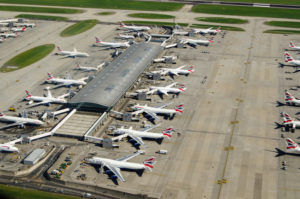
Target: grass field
<point x="151" y="16"/>
<point x="158" y="23"/>
<point x="289" y="2"/>
<point x="27" y="58"/>
<point x="222" y="20"/>
<point x="78" y="28"/>
<point x="109" y="4"/>
<point x="248" y="11"/>
<point x="287" y="24"/>
<point x="282" y="31"/>
<point x="11" y="192"/>
<point x="230" y="28"/>
<point x="42" y="17"/>
<point x="106" y="13"/>
<point x="39" y="9"/>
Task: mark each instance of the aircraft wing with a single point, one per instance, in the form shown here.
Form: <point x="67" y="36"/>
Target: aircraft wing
<point x="152" y="115"/>
<point x="120" y="137"/>
<point x="171" y="85"/>
<point x="164" y="92"/>
<point x="181" y="67"/>
<point x="116" y="171"/>
<point x="150" y="128"/>
<point x="124" y="159"/>
<point x="39" y="103"/>
<point x="138" y="140"/>
<point x="12" y="125"/>
<point x="164" y="105"/>
<point x="192" y="44"/>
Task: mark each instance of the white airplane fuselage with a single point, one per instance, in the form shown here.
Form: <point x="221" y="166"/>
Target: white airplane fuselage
<point x="136" y="28"/>
<point x="168" y="90"/>
<point x="73" y="53"/>
<point x="8" y="148"/>
<point x="6" y="118"/>
<point x="114" y="44"/>
<point x="66" y="81"/>
<point x="50" y="99"/>
<point x="177" y="71"/>
<point x="140" y="133"/>
<point x="156" y="110"/>
<point x="118" y="164"/>
<point x="6" y="35"/>
<point x="198" y="41"/>
<point x="87" y="69"/>
<point x="126" y="36"/>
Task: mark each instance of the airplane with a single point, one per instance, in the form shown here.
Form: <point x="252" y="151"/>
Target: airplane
<point x="176" y="71"/>
<point x="45" y="100"/>
<point x="19" y="121"/>
<point x="207" y="31"/>
<point x="291" y="145"/>
<point x="137" y="135"/>
<point x="6" y="35"/>
<point x="195" y="42"/>
<point x="135" y="28"/>
<point x="292" y="46"/>
<point x="114" y="166"/>
<point x="65" y="82"/>
<point x="112" y="44"/>
<point x="8" y="148"/>
<point x="9" y="20"/>
<point x="154" y="111"/>
<point x="289" y="122"/>
<point x="121" y="36"/>
<point x="165" y="90"/>
<point x="73" y="53"/>
<point x="290" y="99"/>
<point x="290" y="60"/>
<point x="88" y="69"/>
<point x="18" y="29"/>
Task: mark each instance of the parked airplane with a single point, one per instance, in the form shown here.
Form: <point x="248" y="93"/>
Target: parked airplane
<point x="291" y="145"/>
<point x="45" y="100"/>
<point x="88" y="69"/>
<point x="135" y="28"/>
<point x="65" y="82"/>
<point x="290" y="99"/>
<point x="112" y="44"/>
<point x="114" y="166"/>
<point x="207" y="31"/>
<point x="178" y="32"/>
<point x="73" y="53"/>
<point x="165" y="90"/>
<point x="288" y="121"/>
<point x="8" y="148"/>
<point x="6" y="35"/>
<point x="18" y="121"/>
<point x="18" y="29"/>
<point x="122" y="36"/>
<point x="195" y="42"/>
<point x="176" y="71"/>
<point x="290" y="60"/>
<point x="159" y="110"/>
<point x="137" y="135"/>
<point x="9" y="20"/>
<point x="293" y="46"/>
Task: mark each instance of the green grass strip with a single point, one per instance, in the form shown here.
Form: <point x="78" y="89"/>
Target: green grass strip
<point x="108" y="4"/>
<point x="42" y="17"/>
<point x="287" y="24"/>
<point x="27" y="58"/>
<point x="39" y="9"/>
<point x="78" y="28"/>
<point x="158" y="23"/>
<point x="12" y="192"/>
<point x="287" y="2"/>
<point x="230" y="28"/>
<point x="106" y="13"/>
<point x="151" y="16"/>
<point x="248" y="11"/>
<point x="222" y="20"/>
<point x="282" y="31"/>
